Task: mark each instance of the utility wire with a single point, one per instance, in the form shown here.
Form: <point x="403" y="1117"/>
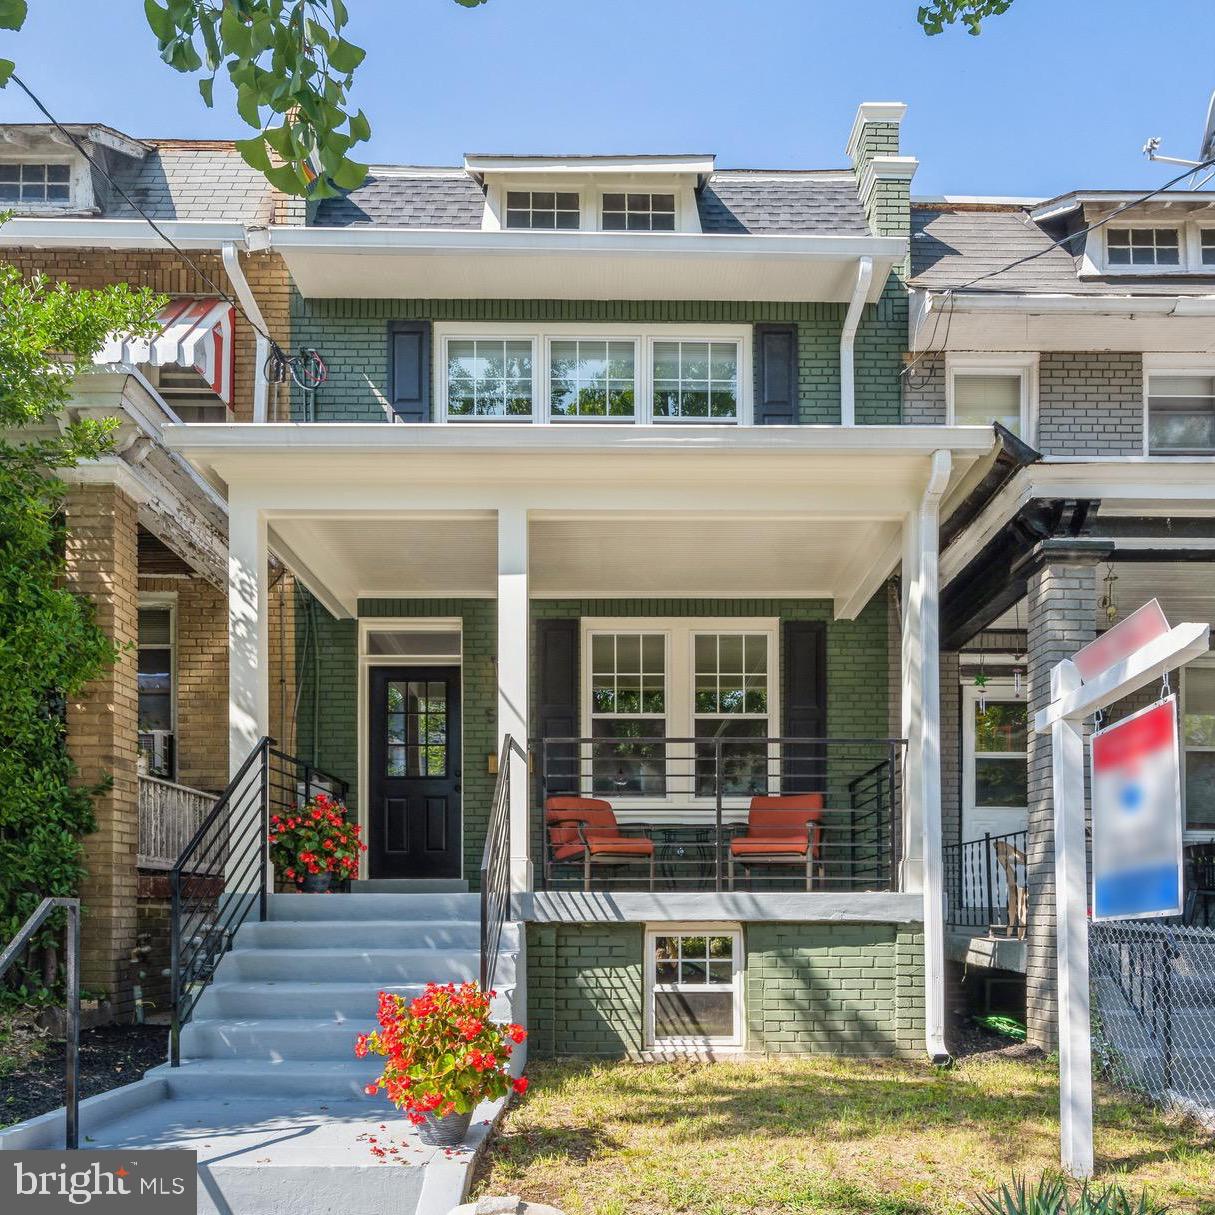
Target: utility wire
<point x="214" y="286"/>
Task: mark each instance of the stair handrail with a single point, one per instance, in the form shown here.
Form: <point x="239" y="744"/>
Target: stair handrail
<point x="495" y="865"/>
<point x="198" y="938"/>
<point x="71" y="1078"/>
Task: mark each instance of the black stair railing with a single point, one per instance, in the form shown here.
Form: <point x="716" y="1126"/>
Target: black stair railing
<point x="495" y="865"/>
<point x="223" y="874"/>
<point x="12" y="951"/>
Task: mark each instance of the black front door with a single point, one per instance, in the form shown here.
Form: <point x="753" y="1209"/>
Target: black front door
<point x="414" y="772"/>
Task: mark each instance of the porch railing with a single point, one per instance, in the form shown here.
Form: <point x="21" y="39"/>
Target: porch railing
<point x="691" y="797"/>
<point x="985" y="884"/>
<point x="169" y="816"/>
<point x="222" y="876"/>
<point x="495" y="866"/>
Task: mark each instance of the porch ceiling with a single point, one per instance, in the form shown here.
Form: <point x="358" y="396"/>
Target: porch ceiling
<point x="621" y="556"/>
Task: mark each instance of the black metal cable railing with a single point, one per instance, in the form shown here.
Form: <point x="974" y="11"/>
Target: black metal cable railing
<point x="495" y="865"/>
<point x="223" y="873"/>
<point x="693" y="800"/>
<point x="986" y="883"/>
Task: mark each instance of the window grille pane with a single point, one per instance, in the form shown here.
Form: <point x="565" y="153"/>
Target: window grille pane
<point x="1200" y="789"/>
<point x="701" y="1014"/>
<point x="1198" y="724"/>
<point x="1001" y="782"/>
<point x="489" y="379"/>
<point x="592" y="379"/>
<point x="979" y="400"/>
<point x="629" y="757"/>
<point x="1001" y="727"/>
<point x="639" y="212"/>
<point x="695" y="381"/>
<point x="542" y="209"/>
<point x="1143" y="247"/>
<point x="155" y="626"/>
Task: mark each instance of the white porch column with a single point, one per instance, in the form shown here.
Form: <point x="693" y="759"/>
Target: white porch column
<point x="921" y="701"/>
<point x="512" y="680"/>
<point x="248" y="621"/>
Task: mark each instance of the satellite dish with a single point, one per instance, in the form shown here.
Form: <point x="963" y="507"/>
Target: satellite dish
<point x="1206" y="149"/>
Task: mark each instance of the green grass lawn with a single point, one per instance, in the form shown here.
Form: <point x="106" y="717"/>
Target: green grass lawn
<point x="817" y="1136"/>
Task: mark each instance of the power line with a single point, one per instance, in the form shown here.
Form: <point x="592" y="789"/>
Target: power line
<point x="224" y="295"/>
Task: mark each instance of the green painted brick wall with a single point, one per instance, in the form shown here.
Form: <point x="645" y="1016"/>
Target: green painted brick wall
<point x="842" y="989"/>
<point x="853" y="989"/>
<point x="353" y="337"/>
<point x="857" y="676"/>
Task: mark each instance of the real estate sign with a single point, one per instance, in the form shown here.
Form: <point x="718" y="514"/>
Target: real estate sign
<point x="1137" y="829"/>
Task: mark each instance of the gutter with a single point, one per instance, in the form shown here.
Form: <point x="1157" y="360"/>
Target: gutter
<point x="852" y="319"/>
<point x="930" y="761"/>
<point x="117" y="234"/>
<point x="248" y="301"/>
<point x="999" y="301"/>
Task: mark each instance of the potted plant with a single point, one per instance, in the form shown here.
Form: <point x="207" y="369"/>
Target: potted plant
<point x="443" y="1055"/>
<point x="312" y="843"/>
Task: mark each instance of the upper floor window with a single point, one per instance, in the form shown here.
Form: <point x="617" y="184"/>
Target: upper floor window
<point x="639" y="212"/>
<point x="1143" y="246"/>
<point x="1181" y="414"/>
<point x="1208" y="246"/>
<point x="1198" y="741"/>
<point x="35" y="183"/>
<point x="567" y="374"/>
<point x="542" y="209"/>
<point x="996" y="388"/>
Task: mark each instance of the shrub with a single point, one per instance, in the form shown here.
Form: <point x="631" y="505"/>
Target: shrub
<point x="319" y="838"/>
<point x="444" y="1054"/>
<point x="1050" y="1197"/>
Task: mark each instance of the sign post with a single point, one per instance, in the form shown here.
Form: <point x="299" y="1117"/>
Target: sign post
<point x="1131" y="655"/>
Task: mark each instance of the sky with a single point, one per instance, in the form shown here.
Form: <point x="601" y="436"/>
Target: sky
<point x="1054" y="95"/>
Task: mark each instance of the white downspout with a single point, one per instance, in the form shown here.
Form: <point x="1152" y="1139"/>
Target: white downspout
<point x="930" y="758"/>
<point x="852" y="319"/>
<point x="240" y="284"/>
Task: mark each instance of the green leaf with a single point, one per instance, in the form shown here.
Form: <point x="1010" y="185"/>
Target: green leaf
<point x="360" y="128"/>
<point x="246" y="105"/>
<point x="159" y="21"/>
<point x="206" y="86"/>
<point x="253" y="153"/>
<point x="286" y="178"/>
<point x="12" y="14"/>
<point x="349" y="175"/>
<point x="234" y="33"/>
<point x="344" y="56"/>
<point x="6" y="70"/>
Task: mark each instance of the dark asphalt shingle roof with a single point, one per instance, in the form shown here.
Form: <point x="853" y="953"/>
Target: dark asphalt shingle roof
<point x="951" y="247"/>
<point x="730" y="203"/>
<point x="179" y="182"/>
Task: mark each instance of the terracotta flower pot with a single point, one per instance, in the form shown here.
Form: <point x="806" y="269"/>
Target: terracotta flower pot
<point x="448" y="1131"/>
<point x="316" y="883"/>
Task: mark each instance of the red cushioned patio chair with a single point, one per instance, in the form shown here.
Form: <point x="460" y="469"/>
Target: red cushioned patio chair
<point x="784" y="830"/>
<point x="583" y="830"/>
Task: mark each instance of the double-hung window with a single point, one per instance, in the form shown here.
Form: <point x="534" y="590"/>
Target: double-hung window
<point x="1143" y="246"/>
<point x="694" y="986"/>
<point x="628" y="709"/>
<point x="1207" y="245"/>
<point x="156" y="690"/>
<point x="996" y="388"/>
<point x="570" y="374"/>
<point x="730" y="701"/>
<point x="1181" y="413"/>
<point x="1198" y="739"/>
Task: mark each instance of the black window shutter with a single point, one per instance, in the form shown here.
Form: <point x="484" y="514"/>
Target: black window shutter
<point x="776" y="358"/>
<point x="557" y="703"/>
<point x="409" y="370"/>
<point x="804" y="704"/>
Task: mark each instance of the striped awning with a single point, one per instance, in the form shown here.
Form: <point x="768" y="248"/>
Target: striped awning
<point x="193" y="333"/>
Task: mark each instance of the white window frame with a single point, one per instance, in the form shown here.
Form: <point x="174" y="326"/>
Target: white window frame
<point x="1198" y="834"/>
<point x="1203" y="230"/>
<point x="162" y="601"/>
<point x="590" y="188"/>
<point x="1095" y="259"/>
<point x="1023" y="364"/>
<point x="80" y="188"/>
<point x="400" y="624"/>
<point x="728" y="1045"/>
<point x="1171" y="364"/>
<point x="543" y="188"/>
<point x="680" y="640"/>
<point x="1002" y="690"/>
<point x="1183" y="253"/>
<point x="649" y="191"/>
<point x="542" y="335"/>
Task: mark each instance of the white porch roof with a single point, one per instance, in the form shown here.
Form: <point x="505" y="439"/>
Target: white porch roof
<point x="372" y="510"/>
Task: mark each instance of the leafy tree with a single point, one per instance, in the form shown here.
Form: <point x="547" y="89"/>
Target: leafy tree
<point x="50" y="645"/>
<point x="934" y="17"/>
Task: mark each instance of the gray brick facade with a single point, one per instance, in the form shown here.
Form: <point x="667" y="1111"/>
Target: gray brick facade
<point x="1090" y="404"/>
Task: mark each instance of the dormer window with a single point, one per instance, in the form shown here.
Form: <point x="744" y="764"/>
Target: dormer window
<point x="1143" y="247"/>
<point x="639" y="212"/>
<point x="542" y="209"/>
<point x="1208" y="246"/>
<point x="35" y="184"/>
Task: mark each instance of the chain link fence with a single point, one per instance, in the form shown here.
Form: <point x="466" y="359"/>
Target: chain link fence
<point x="1153" y="986"/>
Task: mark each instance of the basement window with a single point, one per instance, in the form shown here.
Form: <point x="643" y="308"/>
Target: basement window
<point x="1181" y="414"/>
<point x="694" y="986"/>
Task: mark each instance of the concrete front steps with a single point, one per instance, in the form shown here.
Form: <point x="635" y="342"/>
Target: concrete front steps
<point x="269" y="1091"/>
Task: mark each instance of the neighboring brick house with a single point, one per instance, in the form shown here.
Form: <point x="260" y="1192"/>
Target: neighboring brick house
<point x="147" y="537"/>
<point x="1098" y="351"/>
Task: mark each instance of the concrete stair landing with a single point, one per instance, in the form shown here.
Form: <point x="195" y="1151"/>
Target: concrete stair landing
<point x="269" y="1092"/>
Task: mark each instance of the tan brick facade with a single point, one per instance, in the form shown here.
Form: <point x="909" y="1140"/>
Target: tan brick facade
<point x="102" y="562"/>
